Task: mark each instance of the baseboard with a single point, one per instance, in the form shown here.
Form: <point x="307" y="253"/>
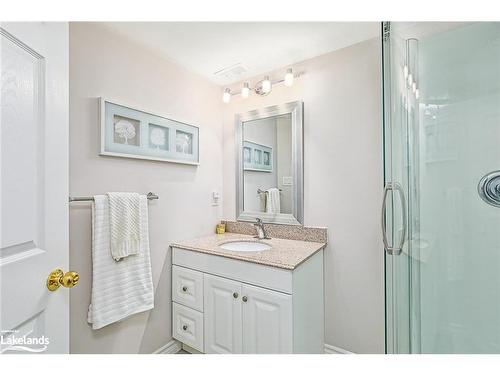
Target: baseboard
<point x="330" y="349"/>
<point x="171" y="347"/>
<point x="190" y="350"/>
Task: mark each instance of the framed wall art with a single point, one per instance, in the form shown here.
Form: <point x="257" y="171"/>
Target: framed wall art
<point x="132" y="133"/>
<point x="257" y="157"/>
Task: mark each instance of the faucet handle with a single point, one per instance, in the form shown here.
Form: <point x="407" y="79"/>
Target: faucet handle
<point x="259" y="221"/>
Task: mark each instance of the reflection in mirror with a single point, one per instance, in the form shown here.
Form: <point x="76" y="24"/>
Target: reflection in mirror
<point x="269" y="180"/>
<point x="267" y="165"/>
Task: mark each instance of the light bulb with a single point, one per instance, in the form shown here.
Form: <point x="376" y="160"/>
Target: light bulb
<point x="405" y="71"/>
<point x="226" y="97"/>
<point x="266" y="85"/>
<point x="417" y="94"/>
<point x="289" y="77"/>
<point x="410" y="79"/>
<point x="245" y="91"/>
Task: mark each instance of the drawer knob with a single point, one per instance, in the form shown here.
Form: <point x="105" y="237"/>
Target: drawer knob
<point x="184" y="288"/>
<point x="235" y="295"/>
<point x="184" y="327"/>
<point x="244" y="298"/>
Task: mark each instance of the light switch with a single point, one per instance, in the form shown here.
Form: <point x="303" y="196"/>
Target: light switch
<point x="215" y="198"/>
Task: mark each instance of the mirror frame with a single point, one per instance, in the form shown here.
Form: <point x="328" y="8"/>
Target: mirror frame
<point x="296" y="110"/>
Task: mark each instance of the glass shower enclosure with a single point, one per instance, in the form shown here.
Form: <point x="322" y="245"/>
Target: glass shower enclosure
<point x="441" y="209"/>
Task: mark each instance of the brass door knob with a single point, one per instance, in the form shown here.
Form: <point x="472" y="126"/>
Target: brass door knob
<point x="58" y="277"/>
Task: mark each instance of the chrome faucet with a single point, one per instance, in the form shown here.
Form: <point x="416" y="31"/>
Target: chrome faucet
<point x="261" y="232"/>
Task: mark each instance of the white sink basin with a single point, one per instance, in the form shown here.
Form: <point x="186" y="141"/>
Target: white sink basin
<point x="245" y="246"/>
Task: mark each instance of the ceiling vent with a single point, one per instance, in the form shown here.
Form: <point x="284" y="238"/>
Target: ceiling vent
<point x="233" y="71"/>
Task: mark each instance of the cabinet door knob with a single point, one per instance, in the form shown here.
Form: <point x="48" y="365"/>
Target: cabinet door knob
<point x="235" y="295"/>
<point x="244" y="298"/>
<point x="184" y="288"/>
<point x="184" y="327"/>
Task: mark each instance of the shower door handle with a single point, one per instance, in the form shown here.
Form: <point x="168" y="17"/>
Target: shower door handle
<point x="396" y="250"/>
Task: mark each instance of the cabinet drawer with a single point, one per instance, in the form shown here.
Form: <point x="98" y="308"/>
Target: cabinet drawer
<point x="187" y="287"/>
<point x="247" y="272"/>
<point x="187" y="326"/>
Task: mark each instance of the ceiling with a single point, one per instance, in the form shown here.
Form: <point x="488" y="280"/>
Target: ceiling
<point x="247" y="49"/>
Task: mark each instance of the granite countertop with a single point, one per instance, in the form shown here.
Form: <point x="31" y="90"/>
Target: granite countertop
<point x="287" y="254"/>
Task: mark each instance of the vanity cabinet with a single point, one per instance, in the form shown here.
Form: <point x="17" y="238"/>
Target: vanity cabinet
<point x="247" y="307"/>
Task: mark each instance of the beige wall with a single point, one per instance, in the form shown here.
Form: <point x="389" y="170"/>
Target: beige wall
<point x="343" y="178"/>
<point x="103" y="64"/>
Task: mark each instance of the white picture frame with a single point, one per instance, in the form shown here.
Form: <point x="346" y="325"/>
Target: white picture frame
<point x="257" y="157"/>
<point x="128" y="132"/>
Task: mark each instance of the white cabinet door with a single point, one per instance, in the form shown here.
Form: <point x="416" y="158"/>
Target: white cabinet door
<point x="267" y="321"/>
<point x="222" y="307"/>
<point x="33" y="186"/>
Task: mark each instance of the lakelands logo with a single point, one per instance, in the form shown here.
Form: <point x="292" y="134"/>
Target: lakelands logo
<point x="9" y="341"/>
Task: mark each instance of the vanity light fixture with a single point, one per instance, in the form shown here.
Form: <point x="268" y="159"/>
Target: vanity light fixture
<point x="266" y="85"/>
<point x="245" y="91"/>
<point x="410" y="68"/>
<point x="410" y="78"/>
<point x="261" y="88"/>
<point x="289" y="77"/>
<point x="226" y="97"/>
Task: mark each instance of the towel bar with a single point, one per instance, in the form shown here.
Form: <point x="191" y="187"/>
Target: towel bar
<point x="149" y="195"/>
<point x="259" y="191"/>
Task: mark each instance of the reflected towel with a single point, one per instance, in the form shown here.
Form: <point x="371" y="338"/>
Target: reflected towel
<point x="119" y="289"/>
<point x="273" y="201"/>
<point x="262" y="197"/>
<point x="124" y="224"/>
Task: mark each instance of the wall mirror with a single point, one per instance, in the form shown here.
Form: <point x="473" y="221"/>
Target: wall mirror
<point x="269" y="157"/>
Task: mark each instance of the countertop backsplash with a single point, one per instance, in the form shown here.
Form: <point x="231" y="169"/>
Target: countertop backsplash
<point x="289" y="232"/>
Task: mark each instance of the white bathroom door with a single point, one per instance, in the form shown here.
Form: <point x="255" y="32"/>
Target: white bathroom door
<point x="33" y="186"/>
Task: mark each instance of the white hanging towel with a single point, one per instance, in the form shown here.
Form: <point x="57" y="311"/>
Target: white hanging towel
<point x="273" y="201"/>
<point x="124" y="224"/>
<point x="119" y="289"/>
